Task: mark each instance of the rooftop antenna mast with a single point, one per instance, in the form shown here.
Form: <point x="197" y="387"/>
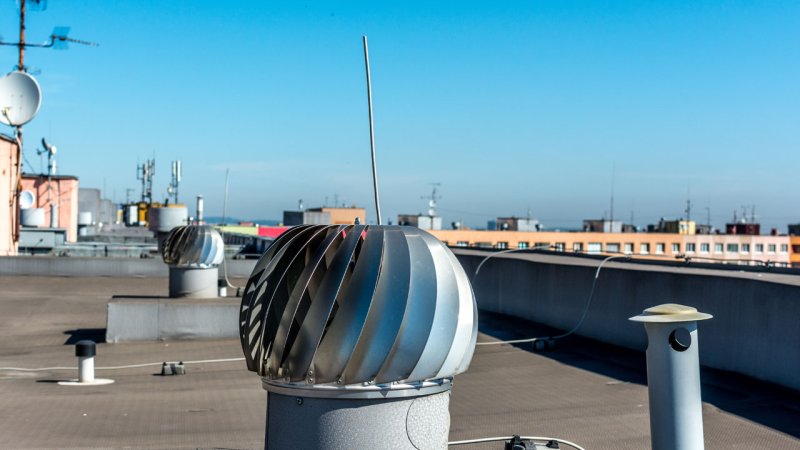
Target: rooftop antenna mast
<point x="372" y="133"/>
<point x="744" y="213"/>
<point x="58" y="40"/>
<point x="51" y="170"/>
<point x="51" y="156"/>
<point x="613" y="178"/>
<point x="145" y="173"/>
<point x="225" y="198"/>
<point x="172" y="189"/>
<point x="433" y="199"/>
<point x="688" y="209"/>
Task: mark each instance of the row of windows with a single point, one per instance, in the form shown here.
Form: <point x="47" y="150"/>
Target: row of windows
<point x="628" y="247"/>
<point x="736" y="248"/>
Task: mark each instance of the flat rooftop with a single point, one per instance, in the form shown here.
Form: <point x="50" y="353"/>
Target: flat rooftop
<point x="582" y="391"/>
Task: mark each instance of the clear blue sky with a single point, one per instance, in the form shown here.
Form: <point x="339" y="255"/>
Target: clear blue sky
<point x="510" y="105"/>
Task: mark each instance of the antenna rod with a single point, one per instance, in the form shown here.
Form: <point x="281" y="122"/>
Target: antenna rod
<point x="18" y="136"/>
<point x="22" y="36"/>
<point x="372" y="134"/>
<point x="225" y="198"/>
<point x="613" y="177"/>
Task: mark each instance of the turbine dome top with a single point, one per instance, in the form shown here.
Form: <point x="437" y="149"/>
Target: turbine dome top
<point x="198" y="246"/>
<point x="335" y="306"/>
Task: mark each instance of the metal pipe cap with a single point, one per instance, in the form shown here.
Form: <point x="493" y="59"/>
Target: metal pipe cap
<point x="341" y="305"/>
<point x="670" y="312"/>
<point x="85" y="348"/>
<point x="198" y="246"/>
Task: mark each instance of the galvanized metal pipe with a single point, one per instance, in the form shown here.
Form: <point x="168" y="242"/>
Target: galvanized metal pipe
<point x="372" y="134"/>
<point x="673" y="376"/>
<point x="199" y="218"/>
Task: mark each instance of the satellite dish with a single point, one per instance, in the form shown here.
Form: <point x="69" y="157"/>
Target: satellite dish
<point x="20" y="97"/>
<point x="26" y="199"/>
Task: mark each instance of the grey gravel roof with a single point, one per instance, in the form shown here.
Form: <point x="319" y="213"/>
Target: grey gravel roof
<point x="582" y="391"/>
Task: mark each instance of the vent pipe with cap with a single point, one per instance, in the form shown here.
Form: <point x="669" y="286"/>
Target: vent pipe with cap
<point x="199" y="217"/>
<point x="54" y="215"/>
<point x="673" y="376"/>
<point x="357" y="332"/>
<point x="162" y="219"/>
<point x="86" y="350"/>
<point x="193" y="253"/>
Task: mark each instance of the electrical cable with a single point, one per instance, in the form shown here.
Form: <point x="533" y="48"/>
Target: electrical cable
<point x="25" y="158"/>
<point x="225" y="267"/>
<point x="583" y="315"/>
<point x="225" y="260"/>
<point x="222" y="234"/>
<point x="506" y="438"/>
<point x="537" y="247"/>
<point x="129" y="366"/>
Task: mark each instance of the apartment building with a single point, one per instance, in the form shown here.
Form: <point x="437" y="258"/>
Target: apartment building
<point x="735" y="249"/>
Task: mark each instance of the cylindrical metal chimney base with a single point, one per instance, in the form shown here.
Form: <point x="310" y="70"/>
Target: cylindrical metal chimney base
<point x="193" y="282"/>
<point x="343" y="423"/>
<point x="673" y="382"/>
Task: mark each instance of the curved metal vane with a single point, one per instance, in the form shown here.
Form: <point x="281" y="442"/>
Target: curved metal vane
<point x="343" y="305"/>
<point x="193" y="246"/>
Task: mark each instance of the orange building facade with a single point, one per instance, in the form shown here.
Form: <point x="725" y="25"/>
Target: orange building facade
<point x="734" y="249"/>
<point x="794" y="250"/>
<point x="345" y="216"/>
<point x="9" y="209"/>
<point x="60" y="190"/>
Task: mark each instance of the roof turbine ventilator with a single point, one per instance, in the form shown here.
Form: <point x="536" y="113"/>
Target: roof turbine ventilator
<point x="363" y="313"/>
<point x="193" y="253"/>
<point x="198" y="246"/>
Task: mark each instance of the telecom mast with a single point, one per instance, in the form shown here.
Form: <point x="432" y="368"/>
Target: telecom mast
<point x="434" y="197"/>
<point x="145" y="173"/>
<point x="172" y="189"/>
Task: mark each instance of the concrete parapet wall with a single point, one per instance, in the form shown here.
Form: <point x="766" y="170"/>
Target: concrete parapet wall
<point x="754" y="331"/>
<point x="133" y="319"/>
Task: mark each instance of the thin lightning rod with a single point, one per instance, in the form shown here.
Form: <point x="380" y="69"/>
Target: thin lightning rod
<point x="613" y="177"/>
<point x="372" y="134"/>
<point x="225" y="198"/>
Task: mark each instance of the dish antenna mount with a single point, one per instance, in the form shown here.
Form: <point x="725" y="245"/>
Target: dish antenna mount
<point x="20" y="98"/>
<point x="434" y="197"/>
<point x="50" y="149"/>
